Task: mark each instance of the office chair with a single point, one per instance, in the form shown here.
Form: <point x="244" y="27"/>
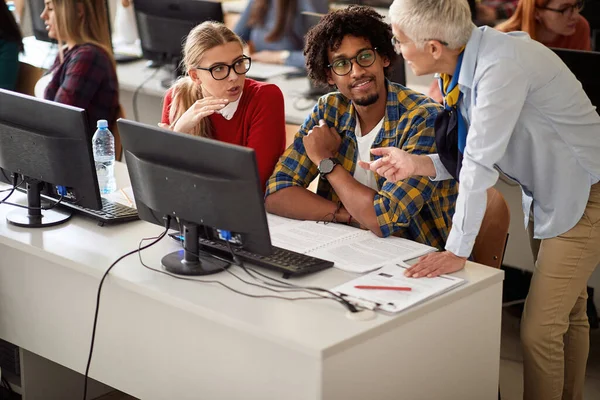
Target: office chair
<point x="490" y="243"/>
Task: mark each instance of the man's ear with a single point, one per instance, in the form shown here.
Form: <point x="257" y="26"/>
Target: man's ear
<point x="386" y="62"/>
<point x="193" y="74"/>
<point x="329" y="79"/>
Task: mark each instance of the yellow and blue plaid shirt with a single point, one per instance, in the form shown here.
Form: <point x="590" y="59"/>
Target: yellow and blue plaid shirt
<point x="415" y="208"/>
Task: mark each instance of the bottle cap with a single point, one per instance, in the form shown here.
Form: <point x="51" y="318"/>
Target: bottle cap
<point x="102" y="124"/>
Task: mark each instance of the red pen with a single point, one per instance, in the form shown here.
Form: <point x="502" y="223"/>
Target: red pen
<point x="402" y="288"/>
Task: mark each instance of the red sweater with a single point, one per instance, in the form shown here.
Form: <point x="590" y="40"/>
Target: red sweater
<point x="258" y="123"/>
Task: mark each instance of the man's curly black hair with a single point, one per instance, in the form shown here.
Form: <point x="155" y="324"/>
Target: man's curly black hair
<point x="358" y="21"/>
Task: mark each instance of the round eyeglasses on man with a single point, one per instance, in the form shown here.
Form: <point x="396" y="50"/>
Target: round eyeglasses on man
<point x="365" y="58"/>
<point x="222" y="71"/>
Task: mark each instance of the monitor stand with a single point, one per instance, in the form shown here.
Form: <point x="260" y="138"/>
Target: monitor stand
<point x="34" y="217"/>
<point x="190" y="260"/>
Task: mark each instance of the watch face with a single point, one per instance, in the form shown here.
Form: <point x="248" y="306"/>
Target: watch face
<point x="326" y="166"/>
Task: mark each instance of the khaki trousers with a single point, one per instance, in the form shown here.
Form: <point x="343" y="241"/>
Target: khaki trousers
<point x="555" y="327"/>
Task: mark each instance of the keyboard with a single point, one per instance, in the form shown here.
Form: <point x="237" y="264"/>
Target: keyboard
<point x="111" y="212"/>
<point x="289" y="263"/>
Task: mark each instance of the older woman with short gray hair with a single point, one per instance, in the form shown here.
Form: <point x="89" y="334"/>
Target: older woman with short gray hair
<point x="511" y="105"/>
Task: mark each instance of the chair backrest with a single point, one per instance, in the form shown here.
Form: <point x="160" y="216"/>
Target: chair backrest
<point x="28" y="77"/>
<point x="491" y="241"/>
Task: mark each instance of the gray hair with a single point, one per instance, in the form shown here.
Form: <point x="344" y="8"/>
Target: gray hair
<point x="444" y="20"/>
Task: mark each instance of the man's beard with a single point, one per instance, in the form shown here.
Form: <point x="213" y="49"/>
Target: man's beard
<point x="367" y="100"/>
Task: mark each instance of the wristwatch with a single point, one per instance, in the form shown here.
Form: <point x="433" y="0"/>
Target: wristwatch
<point x="326" y="166"/>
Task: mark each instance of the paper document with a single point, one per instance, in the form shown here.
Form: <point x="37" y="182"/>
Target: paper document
<point x="350" y="249"/>
<point x="122" y="196"/>
<point x="392" y="275"/>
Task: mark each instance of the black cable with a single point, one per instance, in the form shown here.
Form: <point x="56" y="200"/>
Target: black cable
<point x="282" y="284"/>
<point x="185" y="278"/>
<point x="12" y="190"/>
<point x="137" y="91"/>
<point x="50" y="207"/>
<point x="139" y="249"/>
<point x="7" y="385"/>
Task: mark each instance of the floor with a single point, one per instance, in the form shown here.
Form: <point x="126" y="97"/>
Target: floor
<point x="511" y="363"/>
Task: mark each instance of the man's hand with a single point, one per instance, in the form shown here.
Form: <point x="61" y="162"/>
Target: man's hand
<point x="321" y="142"/>
<point x="395" y="164"/>
<point x="435" y="264"/>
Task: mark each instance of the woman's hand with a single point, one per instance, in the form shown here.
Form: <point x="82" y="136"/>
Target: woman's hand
<point x="200" y="109"/>
<point x="395" y="164"/>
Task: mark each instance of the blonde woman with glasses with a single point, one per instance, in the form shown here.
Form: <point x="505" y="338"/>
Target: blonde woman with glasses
<point x="511" y="105"/>
<point x="216" y="100"/>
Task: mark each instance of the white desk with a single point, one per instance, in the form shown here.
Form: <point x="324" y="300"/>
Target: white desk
<point x="163" y="338"/>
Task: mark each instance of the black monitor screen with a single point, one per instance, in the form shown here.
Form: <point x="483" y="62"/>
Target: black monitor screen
<point x="163" y="25"/>
<point x="584" y="65"/>
<point x="50" y="153"/>
<point x="208" y="187"/>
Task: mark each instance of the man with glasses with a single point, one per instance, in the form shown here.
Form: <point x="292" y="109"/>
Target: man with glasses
<point x="352" y="50"/>
<point x="512" y="106"/>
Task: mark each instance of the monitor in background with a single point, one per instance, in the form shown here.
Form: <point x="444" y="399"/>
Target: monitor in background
<point x="163" y="26"/>
<point x="38" y="26"/>
<point x="51" y="154"/>
<point x="212" y="189"/>
<point x="584" y="65"/>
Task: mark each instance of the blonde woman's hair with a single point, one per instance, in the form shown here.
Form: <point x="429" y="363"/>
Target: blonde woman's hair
<point x="185" y="92"/>
<point x="444" y="20"/>
<point x="90" y="27"/>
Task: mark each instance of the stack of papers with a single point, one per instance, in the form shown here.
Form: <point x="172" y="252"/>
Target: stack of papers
<point x="350" y="249"/>
<point x="392" y="275"/>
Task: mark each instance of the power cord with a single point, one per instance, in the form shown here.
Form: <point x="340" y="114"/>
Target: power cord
<point x="282" y="284"/>
<point x="12" y="190"/>
<point x="50" y="207"/>
<point x="137" y="91"/>
<point x="185" y="278"/>
<point x="138" y="250"/>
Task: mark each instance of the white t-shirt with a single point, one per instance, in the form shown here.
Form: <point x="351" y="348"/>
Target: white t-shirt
<point x="41" y="85"/>
<point x="364" y="144"/>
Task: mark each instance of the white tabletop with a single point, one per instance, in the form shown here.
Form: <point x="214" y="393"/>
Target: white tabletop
<point x="82" y="245"/>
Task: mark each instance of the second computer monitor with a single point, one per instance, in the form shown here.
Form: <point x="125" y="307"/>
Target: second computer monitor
<point x="163" y="25"/>
<point x="211" y="188"/>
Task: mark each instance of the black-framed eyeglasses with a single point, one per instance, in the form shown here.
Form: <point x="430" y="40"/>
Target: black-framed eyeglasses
<point x="365" y="58"/>
<point x="222" y="71"/>
<point x="396" y="43"/>
<point x="568" y="10"/>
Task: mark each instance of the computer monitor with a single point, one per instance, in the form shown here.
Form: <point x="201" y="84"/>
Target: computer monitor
<point x="163" y="26"/>
<point x="207" y="185"/>
<point x="48" y="146"/>
<point x="36" y="7"/>
<point x="584" y="65"/>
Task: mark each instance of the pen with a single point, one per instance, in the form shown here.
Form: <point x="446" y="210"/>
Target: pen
<point x="402" y="288"/>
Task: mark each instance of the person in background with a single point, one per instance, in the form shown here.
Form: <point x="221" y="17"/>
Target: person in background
<point x="512" y="106"/>
<point x="275" y="29"/>
<point x="492" y="11"/>
<point x="555" y="23"/>
<point x="84" y="72"/>
<point x="215" y="99"/>
<point x="11" y="43"/>
<point x="352" y="49"/>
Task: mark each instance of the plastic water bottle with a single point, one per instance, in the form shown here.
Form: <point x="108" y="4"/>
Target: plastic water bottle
<point x="103" y="145"/>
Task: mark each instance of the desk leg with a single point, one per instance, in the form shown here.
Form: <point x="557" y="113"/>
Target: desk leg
<point x="42" y="379"/>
